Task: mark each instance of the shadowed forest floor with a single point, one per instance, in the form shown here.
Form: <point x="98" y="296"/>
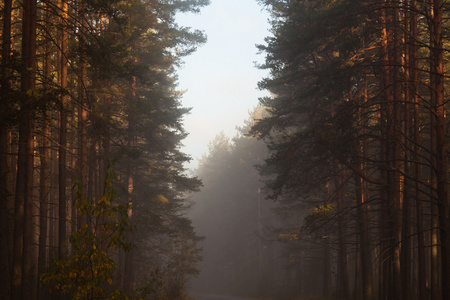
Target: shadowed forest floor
<point x="200" y="296"/>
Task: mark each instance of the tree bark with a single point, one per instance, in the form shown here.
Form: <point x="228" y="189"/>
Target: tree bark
<point x="44" y="200"/>
<point x="343" y="289"/>
<point x="44" y="190"/>
<point x="439" y="130"/>
<point x="5" y="193"/>
<point x="326" y="272"/>
<point x="129" y="270"/>
<point x="23" y="225"/>
<point x="29" y="267"/>
<point x="435" y="265"/>
<point x="62" y="228"/>
<point x="82" y="111"/>
<point x="418" y="176"/>
<point x="364" y="240"/>
<point x="384" y="234"/>
<point x="395" y="184"/>
<point x="406" y="241"/>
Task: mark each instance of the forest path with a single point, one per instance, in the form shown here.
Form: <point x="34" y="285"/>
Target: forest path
<point x="214" y="297"/>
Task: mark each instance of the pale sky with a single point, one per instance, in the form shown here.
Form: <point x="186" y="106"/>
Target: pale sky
<point x="221" y="77"/>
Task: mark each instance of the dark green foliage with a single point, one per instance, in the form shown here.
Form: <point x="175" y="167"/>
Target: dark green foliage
<point x="310" y="81"/>
<point x="144" y="73"/>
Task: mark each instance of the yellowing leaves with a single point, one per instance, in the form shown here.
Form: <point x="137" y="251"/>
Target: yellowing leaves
<point x="323" y="210"/>
<point x="160" y="198"/>
<point x="288" y="237"/>
<point x="83" y="274"/>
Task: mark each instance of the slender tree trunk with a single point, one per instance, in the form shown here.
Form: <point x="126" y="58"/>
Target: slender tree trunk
<point x="91" y="170"/>
<point x="44" y="190"/>
<point x="44" y="193"/>
<point x="29" y="267"/>
<point x="364" y="240"/>
<point x="73" y="166"/>
<point x="405" y="255"/>
<point x="53" y="224"/>
<point x="62" y="228"/>
<point x="23" y="226"/>
<point x="5" y="278"/>
<point x="384" y="257"/>
<point x="129" y="283"/>
<point x="5" y="193"/>
<point x="82" y="111"/>
<point x="395" y="184"/>
<point x="440" y="128"/>
<point x="326" y="272"/>
<point x="361" y="195"/>
<point x="390" y="210"/>
<point x="406" y="242"/>
<point x="343" y="289"/>
<point x="413" y="63"/>
<point x="435" y="265"/>
<point x="433" y="211"/>
<point x="129" y="270"/>
<point x="357" y="290"/>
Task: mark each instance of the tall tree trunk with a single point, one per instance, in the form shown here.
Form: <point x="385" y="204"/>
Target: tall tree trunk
<point x="44" y="200"/>
<point x="5" y="278"/>
<point x="361" y="194"/>
<point x="326" y="272"/>
<point x="29" y="266"/>
<point x="73" y="166"/>
<point x="440" y="128"/>
<point x="82" y="111"/>
<point x="357" y="290"/>
<point x="395" y="184"/>
<point x="129" y="270"/>
<point x="62" y="54"/>
<point x="405" y="254"/>
<point x="391" y="154"/>
<point x="53" y="226"/>
<point x="5" y="193"/>
<point x="44" y="189"/>
<point x="343" y="285"/>
<point x="406" y="242"/>
<point x="413" y="66"/>
<point x="385" y="258"/>
<point x="23" y="226"/>
<point x="364" y="240"/>
<point x="435" y="265"/>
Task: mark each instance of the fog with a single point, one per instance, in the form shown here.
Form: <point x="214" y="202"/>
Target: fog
<point x="245" y="253"/>
<point x="232" y="215"/>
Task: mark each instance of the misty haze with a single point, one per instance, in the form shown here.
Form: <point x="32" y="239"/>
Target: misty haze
<point x="224" y="149"/>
